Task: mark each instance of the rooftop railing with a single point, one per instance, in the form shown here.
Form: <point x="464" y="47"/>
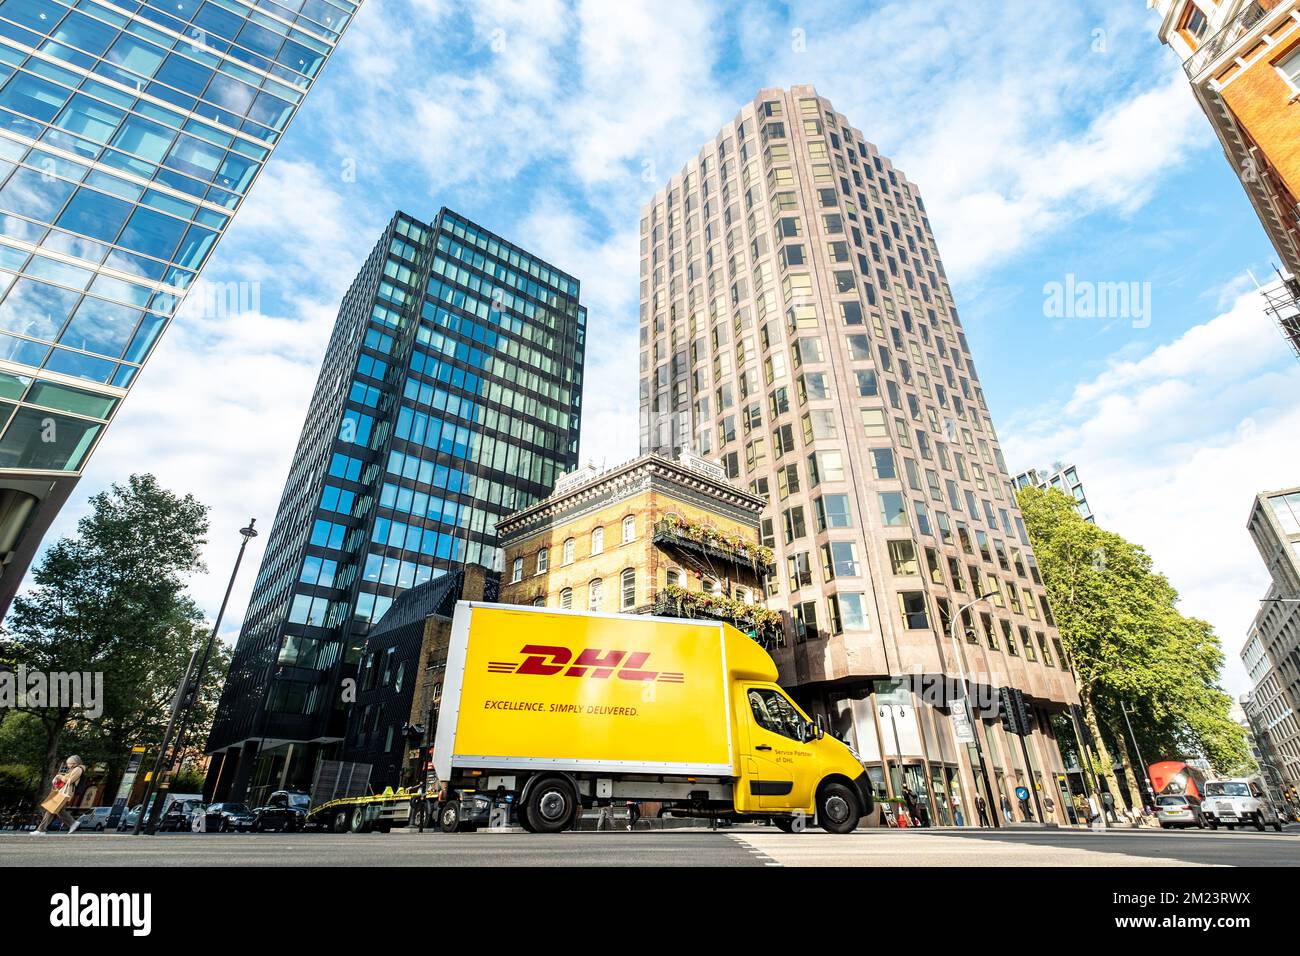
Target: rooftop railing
<point x="1230" y="33"/>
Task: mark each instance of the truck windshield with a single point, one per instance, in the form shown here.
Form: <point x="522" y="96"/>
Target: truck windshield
<point x="773" y="712"/>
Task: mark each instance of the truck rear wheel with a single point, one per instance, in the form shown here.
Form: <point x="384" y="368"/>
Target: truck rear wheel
<point x="551" y="804"/>
<point x="837" y="808"/>
<point x="449" y="817"/>
<point x="359" y="822"/>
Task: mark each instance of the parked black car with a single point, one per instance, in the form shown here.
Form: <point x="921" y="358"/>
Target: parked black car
<point x="285" y="811"/>
<point x="179" y="815"/>
<point x="229" y="818"/>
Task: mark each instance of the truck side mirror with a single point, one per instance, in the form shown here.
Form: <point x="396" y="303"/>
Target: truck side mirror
<point x="820" y="726"/>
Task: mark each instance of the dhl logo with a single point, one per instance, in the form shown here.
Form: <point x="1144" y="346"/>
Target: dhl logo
<point x="545" y="661"/>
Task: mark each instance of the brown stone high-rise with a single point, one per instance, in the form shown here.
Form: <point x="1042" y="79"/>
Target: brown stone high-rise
<point x="797" y="325"/>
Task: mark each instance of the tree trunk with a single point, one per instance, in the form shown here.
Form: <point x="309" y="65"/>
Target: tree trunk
<point x="1135" y="773"/>
<point x="1107" y="769"/>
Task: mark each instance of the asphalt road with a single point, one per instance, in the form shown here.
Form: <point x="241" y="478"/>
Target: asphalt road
<point x="740" y="846"/>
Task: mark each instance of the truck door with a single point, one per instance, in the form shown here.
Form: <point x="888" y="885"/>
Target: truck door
<point x="776" y="750"/>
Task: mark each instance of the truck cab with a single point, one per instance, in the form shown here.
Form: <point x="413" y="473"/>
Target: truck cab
<point x="789" y="768"/>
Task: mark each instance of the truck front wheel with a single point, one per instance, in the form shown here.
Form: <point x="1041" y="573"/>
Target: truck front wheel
<point x="551" y="805"/>
<point x="837" y="808"/>
<point x="449" y="817"/>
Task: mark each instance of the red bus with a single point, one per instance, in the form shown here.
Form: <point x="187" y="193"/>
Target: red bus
<point x="1177" y="778"/>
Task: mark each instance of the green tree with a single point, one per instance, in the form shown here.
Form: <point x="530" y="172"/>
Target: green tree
<point x="112" y="600"/>
<point x="1129" y="645"/>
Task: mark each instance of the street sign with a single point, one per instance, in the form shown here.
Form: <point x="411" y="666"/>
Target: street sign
<point x="124" y="789"/>
<point x="962" y="730"/>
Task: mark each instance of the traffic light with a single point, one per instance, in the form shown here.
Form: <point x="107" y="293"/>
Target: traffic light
<point x="1024" y="716"/>
<point x="1007" y="710"/>
<point x="1014" y="711"/>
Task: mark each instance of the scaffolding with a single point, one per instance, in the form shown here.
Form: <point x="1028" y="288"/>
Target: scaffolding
<point x="1282" y="301"/>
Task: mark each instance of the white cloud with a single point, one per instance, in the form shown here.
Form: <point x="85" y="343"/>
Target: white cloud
<point x="1173" y="446"/>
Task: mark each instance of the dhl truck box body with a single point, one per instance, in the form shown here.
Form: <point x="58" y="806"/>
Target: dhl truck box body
<point x="563" y="709"/>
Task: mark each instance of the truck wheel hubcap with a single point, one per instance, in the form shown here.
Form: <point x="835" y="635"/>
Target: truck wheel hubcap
<point x="837" y="810"/>
<point x="552" y="805"/>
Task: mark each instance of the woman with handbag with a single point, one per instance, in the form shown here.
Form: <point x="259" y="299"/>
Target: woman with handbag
<point x="65" y="790"/>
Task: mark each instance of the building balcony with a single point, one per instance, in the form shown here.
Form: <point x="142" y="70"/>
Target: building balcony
<point x="763" y="625"/>
<point x="713" y="545"/>
<point x="1230" y="33"/>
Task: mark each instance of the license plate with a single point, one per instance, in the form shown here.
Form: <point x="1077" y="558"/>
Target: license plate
<point x="1229" y="816"/>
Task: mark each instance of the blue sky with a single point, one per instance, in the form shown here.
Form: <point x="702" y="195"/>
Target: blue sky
<point x="1043" y="146"/>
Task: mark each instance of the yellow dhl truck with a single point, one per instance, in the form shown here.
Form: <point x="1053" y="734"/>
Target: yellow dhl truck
<point x="562" y="709"/>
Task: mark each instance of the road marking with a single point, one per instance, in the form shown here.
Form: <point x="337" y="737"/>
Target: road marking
<point x="889" y="848"/>
<point x="754" y="851"/>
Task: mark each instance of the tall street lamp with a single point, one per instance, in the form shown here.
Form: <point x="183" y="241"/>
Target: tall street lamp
<point x="993" y="810"/>
<point x="1141" y="770"/>
<point x="186" y="697"/>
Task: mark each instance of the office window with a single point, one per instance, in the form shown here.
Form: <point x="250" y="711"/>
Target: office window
<point x="543" y="560"/>
<point x="568" y="551"/>
<point x="805" y="621"/>
<point x="598" y="541"/>
<point x="893" y="509"/>
<point x="840" y="560"/>
<point x="882" y="463"/>
<point x="595" y="594"/>
<point x="628" y="589"/>
<point x="517" y="571"/>
<point x="799" y="568"/>
<point x="912" y="606"/>
<point x="1027" y="642"/>
<point x="902" y="557"/>
<point x="833" y="512"/>
<point x="873" y="421"/>
<point x="795" y="526"/>
<point x="566" y="599"/>
<point x="1289" y="67"/>
<point x="629" y="529"/>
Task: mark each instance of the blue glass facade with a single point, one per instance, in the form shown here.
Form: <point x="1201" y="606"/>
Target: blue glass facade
<point x="449" y="397"/>
<point x="129" y="135"/>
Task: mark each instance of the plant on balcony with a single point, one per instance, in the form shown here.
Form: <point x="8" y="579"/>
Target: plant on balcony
<point x="690" y="603"/>
<point x="717" y="538"/>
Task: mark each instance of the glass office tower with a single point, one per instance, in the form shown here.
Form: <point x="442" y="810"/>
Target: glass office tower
<point x="129" y="135"/>
<point x="449" y="396"/>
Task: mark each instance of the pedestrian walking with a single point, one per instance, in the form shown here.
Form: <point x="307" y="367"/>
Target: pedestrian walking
<point x="981" y="808"/>
<point x="1006" y="810"/>
<point x="605" y="814"/>
<point x="63" y="792"/>
<point x="909" y="799"/>
<point x="633" y="814"/>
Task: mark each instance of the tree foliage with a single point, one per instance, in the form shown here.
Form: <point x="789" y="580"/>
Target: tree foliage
<point x="111" y="600"/>
<point x="1129" y="644"/>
